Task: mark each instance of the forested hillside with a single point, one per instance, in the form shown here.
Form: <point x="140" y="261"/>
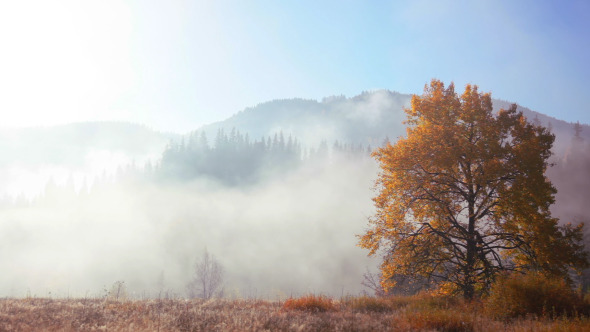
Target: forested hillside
<point x="365" y="119"/>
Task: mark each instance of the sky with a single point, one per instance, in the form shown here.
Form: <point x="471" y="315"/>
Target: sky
<point x="176" y="65"/>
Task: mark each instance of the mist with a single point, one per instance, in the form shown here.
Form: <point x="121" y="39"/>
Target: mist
<point x="287" y="234"/>
<point x="278" y="201"/>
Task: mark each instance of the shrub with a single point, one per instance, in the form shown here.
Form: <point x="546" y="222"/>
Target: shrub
<point x="310" y="303"/>
<point x="518" y="295"/>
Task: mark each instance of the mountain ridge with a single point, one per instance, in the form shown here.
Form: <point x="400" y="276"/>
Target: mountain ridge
<point x="367" y="118"/>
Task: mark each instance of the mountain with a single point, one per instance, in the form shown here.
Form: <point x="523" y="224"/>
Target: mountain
<point x="32" y="155"/>
<point x="368" y="118"/>
<point x="365" y="119"/>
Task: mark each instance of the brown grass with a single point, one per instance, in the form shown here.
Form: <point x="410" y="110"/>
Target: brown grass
<point x="519" y="295"/>
<point x="370" y="304"/>
<point x="312" y="303"/>
<point x="418" y="313"/>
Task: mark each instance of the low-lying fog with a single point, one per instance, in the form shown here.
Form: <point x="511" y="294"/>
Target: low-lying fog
<point x="291" y="234"/>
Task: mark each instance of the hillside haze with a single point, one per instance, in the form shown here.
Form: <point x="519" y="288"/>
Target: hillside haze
<point x="75" y="152"/>
<point x="365" y="119"/>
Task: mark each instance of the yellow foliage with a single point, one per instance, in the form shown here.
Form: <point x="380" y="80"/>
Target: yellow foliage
<point x="445" y="289"/>
<point x="464" y="195"/>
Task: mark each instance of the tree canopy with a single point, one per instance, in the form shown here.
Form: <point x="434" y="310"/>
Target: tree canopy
<point x="464" y="196"/>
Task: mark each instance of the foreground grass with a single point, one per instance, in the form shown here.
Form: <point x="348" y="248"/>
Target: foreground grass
<point x="305" y="314"/>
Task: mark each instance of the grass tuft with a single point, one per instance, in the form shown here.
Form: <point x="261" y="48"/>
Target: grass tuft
<point x="370" y="304"/>
<point x="312" y="303"/>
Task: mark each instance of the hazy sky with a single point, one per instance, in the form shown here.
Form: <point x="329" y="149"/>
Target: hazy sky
<point x="175" y="65"/>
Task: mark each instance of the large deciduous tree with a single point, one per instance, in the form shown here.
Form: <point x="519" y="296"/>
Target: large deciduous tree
<point x="464" y="196"/>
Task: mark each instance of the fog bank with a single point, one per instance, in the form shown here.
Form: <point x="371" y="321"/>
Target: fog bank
<point x="291" y="234"/>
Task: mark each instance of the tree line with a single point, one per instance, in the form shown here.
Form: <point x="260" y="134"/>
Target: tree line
<point x="236" y="159"/>
<point x="232" y="159"/>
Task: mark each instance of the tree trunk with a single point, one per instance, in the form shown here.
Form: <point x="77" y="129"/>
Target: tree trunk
<point x="469" y="280"/>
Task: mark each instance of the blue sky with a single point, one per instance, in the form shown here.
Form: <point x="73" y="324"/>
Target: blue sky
<point x="175" y="65"/>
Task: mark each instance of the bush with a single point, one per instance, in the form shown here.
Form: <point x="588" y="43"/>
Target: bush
<point x="518" y="295"/>
<point x="310" y="303"/>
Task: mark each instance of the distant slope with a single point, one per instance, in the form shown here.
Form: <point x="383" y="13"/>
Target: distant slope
<point x="29" y="156"/>
<point x="69" y="144"/>
<point x="79" y="153"/>
<point x="563" y="130"/>
<point x="367" y="119"/>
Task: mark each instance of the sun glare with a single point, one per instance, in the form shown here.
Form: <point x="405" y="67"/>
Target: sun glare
<point x="62" y="58"/>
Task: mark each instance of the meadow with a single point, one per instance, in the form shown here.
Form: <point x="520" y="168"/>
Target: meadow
<point x="309" y="313"/>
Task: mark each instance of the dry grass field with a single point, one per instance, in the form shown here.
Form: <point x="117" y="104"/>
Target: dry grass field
<point x="310" y="313"/>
